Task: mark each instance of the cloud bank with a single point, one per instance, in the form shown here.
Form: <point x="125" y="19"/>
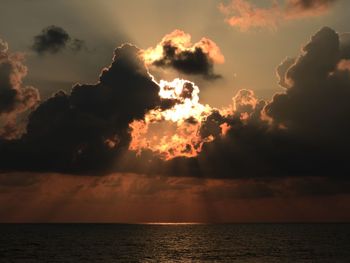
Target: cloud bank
<point x="302" y="131"/>
<point x="86" y="130"/>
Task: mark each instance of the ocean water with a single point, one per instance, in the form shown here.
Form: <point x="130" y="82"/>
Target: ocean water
<point x="251" y="243"/>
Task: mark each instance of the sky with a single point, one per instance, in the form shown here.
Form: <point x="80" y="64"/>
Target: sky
<point x="174" y="111"/>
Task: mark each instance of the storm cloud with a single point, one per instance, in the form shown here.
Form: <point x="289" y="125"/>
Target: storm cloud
<point x="302" y="131"/>
<point x="86" y="130"/>
<point x="308" y="124"/>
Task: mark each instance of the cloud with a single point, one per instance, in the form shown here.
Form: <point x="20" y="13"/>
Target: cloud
<point x="172" y="132"/>
<point x="302" y="132"/>
<point x="18" y="180"/>
<point x="309" y="128"/>
<point x="315" y="87"/>
<point x="245" y="15"/>
<point x="15" y="98"/>
<point x="136" y="198"/>
<point x="308" y="7"/>
<point x="3" y="46"/>
<point x="282" y="70"/>
<point x="272" y="188"/>
<point x="176" y="51"/>
<point x="54" y="39"/>
<point x="345" y="45"/>
<point x="86" y="130"/>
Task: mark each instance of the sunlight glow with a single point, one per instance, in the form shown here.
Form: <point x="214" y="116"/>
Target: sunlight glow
<point x="173" y="132"/>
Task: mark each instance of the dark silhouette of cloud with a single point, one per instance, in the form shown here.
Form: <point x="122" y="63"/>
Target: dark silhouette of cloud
<point x="189" y="62"/>
<point x="310" y="120"/>
<point x="177" y="52"/>
<point x="309" y="4"/>
<point x="282" y="70"/>
<point x="276" y="187"/>
<point x="316" y="100"/>
<point x="345" y="45"/>
<point x="301" y="132"/>
<point x="86" y="130"/>
<point x="54" y="39"/>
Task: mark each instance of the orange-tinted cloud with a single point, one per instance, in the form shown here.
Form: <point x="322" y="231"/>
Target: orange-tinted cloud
<point x="15" y="98"/>
<point x="245" y="15"/>
<point x="344" y="65"/>
<point x="172" y="132"/>
<point x="122" y="123"/>
<point x="177" y="51"/>
<point x="306" y="131"/>
<point x="183" y="129"/>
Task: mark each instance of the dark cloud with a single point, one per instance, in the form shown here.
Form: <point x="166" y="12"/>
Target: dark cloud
<point x="195" y="62"/>
<point x="15" y="98"/>
<point x="345" y="45"/>
<point x="86" y="130"/>
<point x="272" y="188"/>
<point x="77" y="45"/>
<point x="316" y="102"/>
<point x="301" y="132"/>
<point x="18" y="180"/>
<point x="310" y="121"/>
<point x="309" y="4"/>
<point x="282" y="70"/>
<point x="176" y="51"/>
<point x="54" y="39"/>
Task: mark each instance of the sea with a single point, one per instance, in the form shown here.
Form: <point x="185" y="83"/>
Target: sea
<point x="159" y="242"/>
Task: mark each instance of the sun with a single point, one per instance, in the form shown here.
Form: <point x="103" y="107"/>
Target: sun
<point x="176" y="131"/>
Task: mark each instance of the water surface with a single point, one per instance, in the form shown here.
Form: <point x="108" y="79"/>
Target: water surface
<point x="251" y="243"/>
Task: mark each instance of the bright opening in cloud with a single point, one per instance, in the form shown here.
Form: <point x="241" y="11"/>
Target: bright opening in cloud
<point x="173" y="132"/>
